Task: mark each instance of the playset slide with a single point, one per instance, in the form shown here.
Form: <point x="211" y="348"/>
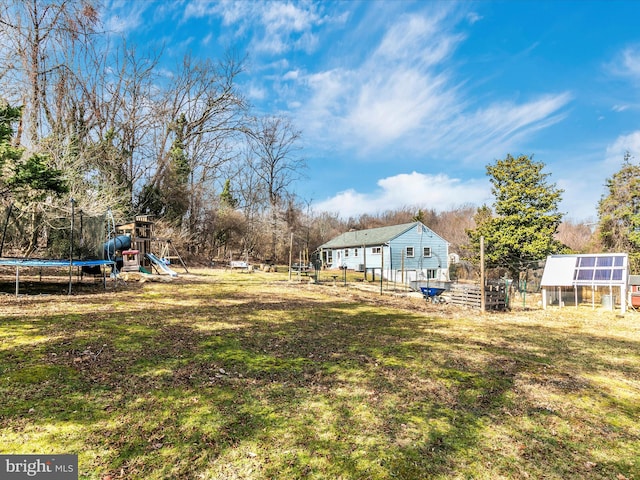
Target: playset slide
<point x="123" y="242"/>
<point x="160" y="264"/>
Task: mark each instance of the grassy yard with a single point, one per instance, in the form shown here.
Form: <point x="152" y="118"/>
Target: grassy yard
<point x="247" y="376"/>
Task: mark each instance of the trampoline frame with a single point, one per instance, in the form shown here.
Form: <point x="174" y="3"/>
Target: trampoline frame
<point x="55" y="263"/>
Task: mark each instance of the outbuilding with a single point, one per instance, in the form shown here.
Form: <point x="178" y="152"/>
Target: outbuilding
<point x="586" y="278"/>
<point x="403" y="253"/>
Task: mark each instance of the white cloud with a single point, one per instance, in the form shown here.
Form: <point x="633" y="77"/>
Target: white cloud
<point x="287" y="17"/>
<point x="584" y="186"/>
<point x="324" y="108"/>
<point x="291" y="75"/>
<point x="439" y="192"/>
<point x="401" y="39"/>
<point x="256" y="92"/>
<point x="626" y="63"/>
<point x="276" y="27"/>
<point x="442" y="192"/>
<point x="207" y="39"/>
<point x="631" y="61"/>
<point x="204" y="8"/>
<point x="620" y="108"/>
<point x="500" y="126"/>
<point x="121" y="16"/>
<point x="473" y="17"/>
<point x="389" y="107"/>
<point x="287" y="26"/>
<point x="405" y="94"/>
<point x="616" y="151"/>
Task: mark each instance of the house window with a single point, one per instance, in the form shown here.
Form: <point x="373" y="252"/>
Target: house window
<point x="355" y="252"/>
<point x="410" y="252"/>
<point x="346" y="252"/>
<point x="376" y="250"/>
<point x="426" y="251"/>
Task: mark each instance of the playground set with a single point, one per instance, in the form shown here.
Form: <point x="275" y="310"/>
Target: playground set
<point x="132" y="247"/>
<point x="74" y="242"/>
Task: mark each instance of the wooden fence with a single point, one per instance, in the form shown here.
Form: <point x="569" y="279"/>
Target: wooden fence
<point x="468" y="295"/>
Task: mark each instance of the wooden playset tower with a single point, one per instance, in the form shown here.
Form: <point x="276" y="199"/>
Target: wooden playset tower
<point x="141" y="233"/>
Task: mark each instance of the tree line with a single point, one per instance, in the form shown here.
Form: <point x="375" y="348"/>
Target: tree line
<point x="87" y="116"/>
<point x="182" y="145"/>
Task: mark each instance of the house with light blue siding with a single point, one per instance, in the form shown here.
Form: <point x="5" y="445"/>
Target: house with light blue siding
<point x="400" y="253"/>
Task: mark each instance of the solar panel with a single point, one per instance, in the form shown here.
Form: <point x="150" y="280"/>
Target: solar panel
<point x="601" y="269"/>
<point x="604" y="261"/>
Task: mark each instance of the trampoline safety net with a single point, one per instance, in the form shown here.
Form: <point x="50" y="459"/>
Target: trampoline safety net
<point x="46" y="233"/>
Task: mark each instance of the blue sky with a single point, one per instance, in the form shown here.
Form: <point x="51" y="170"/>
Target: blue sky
<point x="404" y="103"/>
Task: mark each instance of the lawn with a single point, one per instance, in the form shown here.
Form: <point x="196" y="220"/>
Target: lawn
<point x="248" y="376"/>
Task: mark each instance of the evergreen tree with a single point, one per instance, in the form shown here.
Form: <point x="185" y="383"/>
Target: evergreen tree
<point x="176" y="181"/>
<point x="9" y="155"/>
<point x="20" y="176"/>
<point x="520" y="231"/>
<point x="419" y="216"/>
<point x="619" y="213"/>
<point x="169" y="197"/>
<point x="226" y="196"/>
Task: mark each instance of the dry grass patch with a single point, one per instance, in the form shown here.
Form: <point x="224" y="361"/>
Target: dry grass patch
<point x="233" y="375"/>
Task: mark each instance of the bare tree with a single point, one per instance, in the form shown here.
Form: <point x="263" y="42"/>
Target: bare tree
<point x="41" y="44"/>
<point x="100" y="133"/>
<point x="452" y="225"/>
<point x="41" y="36"/>
<point x="579" y="237"/>
<point x="199" y="114"/>
<point x="251" y="201"/>
<point x="274" y="144"/>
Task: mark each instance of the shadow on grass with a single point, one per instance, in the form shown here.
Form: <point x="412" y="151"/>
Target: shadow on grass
<point x="250" y="385"/>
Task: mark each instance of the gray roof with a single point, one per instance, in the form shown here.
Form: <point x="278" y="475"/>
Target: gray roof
<point x="634" y="279"/>
<point x="372" y="236"/>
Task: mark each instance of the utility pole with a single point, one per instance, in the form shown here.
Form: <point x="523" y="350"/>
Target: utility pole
<point x="381" y="267"/>
<point x="73" y="212"/>
<point x="290" y="255"/>
<point x="364" y="259"/>
<point x="482" y="280"/>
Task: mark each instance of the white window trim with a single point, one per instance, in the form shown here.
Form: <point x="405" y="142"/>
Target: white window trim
<point x="423" y="252"/>
<point x="406" y="252"/>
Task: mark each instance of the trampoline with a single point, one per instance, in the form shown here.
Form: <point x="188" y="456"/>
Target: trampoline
<point x="59" y="241"/>
<point x="53" y="263"/>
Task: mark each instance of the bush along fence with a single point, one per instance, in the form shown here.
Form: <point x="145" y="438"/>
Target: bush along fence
<point x="469" y="295"/>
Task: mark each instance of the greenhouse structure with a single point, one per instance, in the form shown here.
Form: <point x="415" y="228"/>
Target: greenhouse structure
<point x="586" y="279"/>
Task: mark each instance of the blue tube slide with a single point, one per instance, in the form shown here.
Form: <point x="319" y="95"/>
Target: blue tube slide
<point x="121" y="242"/>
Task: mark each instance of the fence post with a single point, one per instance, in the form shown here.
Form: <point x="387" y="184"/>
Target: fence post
<point x="482" y="292"/>
<point x="73" y="212"/>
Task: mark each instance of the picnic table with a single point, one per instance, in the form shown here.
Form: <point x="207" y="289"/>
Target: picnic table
<point x="238" y="264"/>
<point x="302" y="268"/>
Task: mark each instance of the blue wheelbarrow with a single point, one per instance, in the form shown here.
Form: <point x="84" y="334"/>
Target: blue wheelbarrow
<point x="432" y="294"/>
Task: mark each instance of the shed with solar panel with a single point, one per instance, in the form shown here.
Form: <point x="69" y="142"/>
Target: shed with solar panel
<point x="586" y="279"/>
